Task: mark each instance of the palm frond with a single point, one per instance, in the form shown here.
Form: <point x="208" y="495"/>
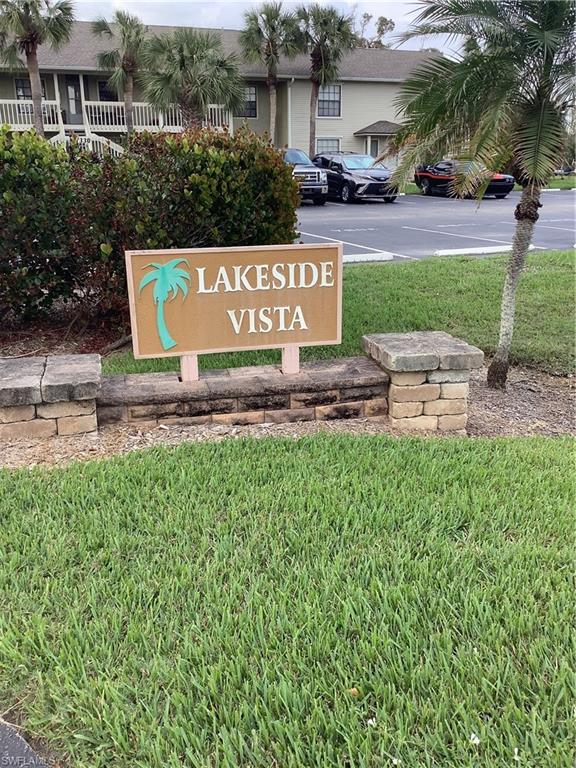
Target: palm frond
<point x="101" y="27"/>
<point x="538" y="140"/>
<point x="189" y="67"/>
<point x="502" y="100"/>
<point x="58" y="22"/>
<point x="109" y="60"/>
<point x="10" y="56"/>
<point x="327" y="35"/>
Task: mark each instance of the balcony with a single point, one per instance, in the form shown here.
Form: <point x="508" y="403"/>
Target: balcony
<point x="106" y="117"/>
<point x="109" y="117"/>
<point x="19" y="114"/>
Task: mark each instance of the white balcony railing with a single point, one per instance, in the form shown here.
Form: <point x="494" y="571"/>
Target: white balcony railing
<point x="110" y="117"/>
<point x="107" y="116"/>
<point x="19" y="114"/>
<point x="99" y="145"/>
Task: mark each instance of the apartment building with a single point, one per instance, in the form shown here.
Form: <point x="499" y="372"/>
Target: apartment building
<point x="356" y="113"/>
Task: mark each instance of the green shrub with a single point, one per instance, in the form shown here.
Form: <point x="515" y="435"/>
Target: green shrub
<point x="101" y="228"/>
<point x="197" y="189"/>
<point x="35" y="199"/>
<point x="206" y="188"/>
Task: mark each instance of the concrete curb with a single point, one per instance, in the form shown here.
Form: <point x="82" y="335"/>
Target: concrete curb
<point x="14" y="750"/>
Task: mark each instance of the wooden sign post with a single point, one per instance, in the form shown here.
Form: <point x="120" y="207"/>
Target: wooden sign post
<point x="195" y="301"/>
<point x="291" y="359"/>
<point x="189" y="368"/>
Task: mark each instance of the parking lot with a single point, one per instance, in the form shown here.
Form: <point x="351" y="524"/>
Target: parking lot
<point x="415" y="227"/>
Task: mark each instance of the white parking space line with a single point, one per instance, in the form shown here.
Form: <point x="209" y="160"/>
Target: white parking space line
<point x="563" y="229"/>
<point x="456" y="225"/>
<point x="476" y="251"/>
<point x="355" y="229"/>
<point x="385" y="255"/>
<point x="454" y="234"/>
<point x="360" y="257"/>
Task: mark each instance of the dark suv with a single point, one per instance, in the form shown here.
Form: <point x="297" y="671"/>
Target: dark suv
<point x="313" y="182"/>
<point x="352" y="176"/>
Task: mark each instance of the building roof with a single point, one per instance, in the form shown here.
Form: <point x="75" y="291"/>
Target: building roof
<point x="377" y="64"/>
<point x="379" y="128"/>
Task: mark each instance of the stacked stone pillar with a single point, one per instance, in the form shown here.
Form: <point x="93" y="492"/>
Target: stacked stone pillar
<point x="45" y="396"/>
<point x="429" y="373"/>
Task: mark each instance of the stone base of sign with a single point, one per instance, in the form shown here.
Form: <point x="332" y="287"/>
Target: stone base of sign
<point x="420" y="380"/>
<point x="46" y="396"/>
<point x="348" y="388"/>
<point x="429" y="372"/>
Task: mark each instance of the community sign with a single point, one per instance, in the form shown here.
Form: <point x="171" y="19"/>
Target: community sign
<point x="200" y="300"/>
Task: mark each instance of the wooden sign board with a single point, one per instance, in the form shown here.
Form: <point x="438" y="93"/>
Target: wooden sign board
<point x="202" y="300"/>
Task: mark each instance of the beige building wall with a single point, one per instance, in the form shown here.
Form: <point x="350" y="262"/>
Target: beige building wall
<point x="8" y="88"/>
<point x="362" y="104"/>
<point x="282" y="115"/>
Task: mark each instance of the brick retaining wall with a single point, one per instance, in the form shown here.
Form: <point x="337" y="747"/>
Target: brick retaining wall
<point x="45" y="396"/>
<point x="420" y="379"/>
<point x="332" y="389"/>
<point x="429" y="373"/>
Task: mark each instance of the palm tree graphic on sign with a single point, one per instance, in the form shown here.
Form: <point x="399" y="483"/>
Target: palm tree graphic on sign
<point x="167" y="278"/>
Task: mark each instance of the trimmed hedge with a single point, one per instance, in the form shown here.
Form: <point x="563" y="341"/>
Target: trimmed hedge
<point x="35" y="201"/>
<point x="66" y="218"/>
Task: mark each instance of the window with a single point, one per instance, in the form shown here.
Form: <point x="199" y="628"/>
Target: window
<point x="23" y="89"/>
<point x="296" y="157"/>
<point x="374" y="147"/>
<point x="249" y="109"/>
<point x="105" y="93"/>
<point x="446" y="166"/>
<point x="329" y="101"/>
<point x="327" y="145"/>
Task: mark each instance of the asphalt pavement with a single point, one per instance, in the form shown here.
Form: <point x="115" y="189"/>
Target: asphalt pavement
<point x="415" y="227"/>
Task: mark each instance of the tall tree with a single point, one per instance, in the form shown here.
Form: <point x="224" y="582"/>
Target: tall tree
<point x="327" y="36"/>
<point x="382" y="28"/>
<point x="269" y="33"/>
<point x="502" y="102"/>
<point x="25" y="25"/>
<point x="125" y="60"/>
<point x="190" y="68"/>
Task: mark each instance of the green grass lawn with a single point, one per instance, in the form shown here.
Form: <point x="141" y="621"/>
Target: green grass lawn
<point x="457" y="295"/>
<point x="321" y="603"/>
<point x="557" y="182"/>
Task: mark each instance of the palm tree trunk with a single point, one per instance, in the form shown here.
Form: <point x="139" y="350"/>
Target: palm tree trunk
<point x="36" y="89"/>
<point x="313" y="108"/>
<point x="192" y="115"/>
<point x="526" y="215"/>
<point x="129" y="103"/>
<point x="272" y="97"/>
<point x="165" y="339"/>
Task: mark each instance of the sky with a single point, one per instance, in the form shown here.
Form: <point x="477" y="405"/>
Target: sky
<point x="229" y="14"/>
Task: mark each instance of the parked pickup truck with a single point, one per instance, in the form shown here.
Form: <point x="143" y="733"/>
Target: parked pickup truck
<point x="313" y="181"/>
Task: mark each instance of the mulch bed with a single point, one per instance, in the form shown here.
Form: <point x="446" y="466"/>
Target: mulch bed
<point x="61" y="335"/>
<point x="535" y="403"/>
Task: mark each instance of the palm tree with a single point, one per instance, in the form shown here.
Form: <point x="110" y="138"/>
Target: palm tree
<point x="327" y="36"/>
<point x="124" y="60"/>
<point x="269" y="33"/>
<point x="168" y="278"/>
<point x="190" y="68"/>
<point x="25" y="25"/>
<point x="501" y="103"/>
